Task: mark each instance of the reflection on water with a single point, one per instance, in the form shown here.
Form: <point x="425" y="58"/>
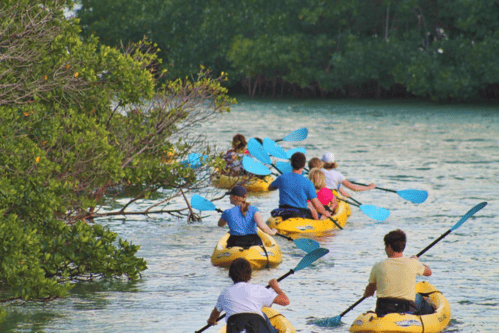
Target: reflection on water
<point x="449" y="151"/>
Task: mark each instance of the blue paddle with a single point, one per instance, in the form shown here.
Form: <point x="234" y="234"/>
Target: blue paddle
<point x="304" y="263"/>
<point x="305" y="244"/>
<point x="203" y="204"/>
<point x="284" y="167"/>
<point x="257" y="150"/>
<point x="272" y="148"/>
<point x="254" y="167"/>
<point x="335" y="321"/>
<point x="297" y="135"/>
<point x="415" y="196"/>
<point x="290" y="152"/>
<point x="376" y="213"/>
<point x="194" y="160"/>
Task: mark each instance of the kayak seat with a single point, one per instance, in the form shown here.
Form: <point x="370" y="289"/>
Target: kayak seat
<point x="248" y="322"/>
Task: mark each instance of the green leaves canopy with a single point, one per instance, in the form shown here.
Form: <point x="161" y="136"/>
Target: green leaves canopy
<point x="433" y="48"/>
<point x="81" y="123"/>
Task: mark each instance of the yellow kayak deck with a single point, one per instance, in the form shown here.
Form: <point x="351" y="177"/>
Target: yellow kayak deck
<point x="251" y="183"/>
<point x="223" y="256"/>
<point x="395" y="322"/>
<point x="296" y="225"/>
<point x="277" y="320"/>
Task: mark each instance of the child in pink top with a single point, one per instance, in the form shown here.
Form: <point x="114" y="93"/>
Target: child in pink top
<point x="325" y="195"/>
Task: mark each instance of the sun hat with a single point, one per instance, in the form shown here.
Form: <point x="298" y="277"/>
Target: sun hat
<point x="238" y="191"/>
<point x="328" y="158"/>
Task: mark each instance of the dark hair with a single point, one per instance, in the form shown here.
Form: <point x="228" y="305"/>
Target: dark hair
<point x="329" y="166"/>
<point x="396" y="239"/>
<point x="240" y="270"/>
<point x="315" y="163"/>
<point x="239" y="142"/>
<point x="298" y="160"/>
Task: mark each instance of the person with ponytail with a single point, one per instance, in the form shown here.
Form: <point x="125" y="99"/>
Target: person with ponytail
<point x="243" y="220"/>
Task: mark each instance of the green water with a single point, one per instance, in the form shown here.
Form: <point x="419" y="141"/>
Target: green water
<point x="451" y="151"/>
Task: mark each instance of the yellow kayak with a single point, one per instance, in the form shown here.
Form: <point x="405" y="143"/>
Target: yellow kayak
<point x="223" y="256"/>
<point x="297" y="225"/>
<point x="395" y="322"/>
<point x="251" y="183"/>
<point x="277" y="320"/>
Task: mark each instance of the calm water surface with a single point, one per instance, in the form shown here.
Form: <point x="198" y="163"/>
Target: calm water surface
<point x="450" y="151"/>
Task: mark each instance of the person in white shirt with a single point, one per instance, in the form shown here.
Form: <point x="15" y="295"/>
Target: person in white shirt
<point x="334" y="178"/>
<point x="243" y="301"/>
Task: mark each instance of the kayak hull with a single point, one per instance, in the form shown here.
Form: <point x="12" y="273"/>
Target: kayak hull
<point x="277" y="320"/>
<point x="256" y="256"/>
<point x="298" y="225"/>
<point x="252" y="184"/>
<point x="395" y="322"/>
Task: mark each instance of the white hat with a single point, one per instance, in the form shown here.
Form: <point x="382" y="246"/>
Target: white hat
<point x="328" y="158"/>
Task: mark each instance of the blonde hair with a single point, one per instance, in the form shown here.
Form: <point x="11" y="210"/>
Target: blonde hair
<point x="315" y="163"/>
<point x="242" y="202"/>
<point x="318" y="178"/>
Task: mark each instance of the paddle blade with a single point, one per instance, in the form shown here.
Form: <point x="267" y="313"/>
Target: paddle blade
<point x="256" y="150"/>
<point x="254" y="167"/>
<point x="310" y="258"/>
<point x="200" y="203"/>
<point x="284" y="167"/>
<point x="194" y="160"/>
<point x="297" y="135"/>
<point x="327" y="322"/>
<point x="377" y="213"/>
<point x="306" y="244"/>
<point x="471" y="212"/>
<point x="290" y="152"/>
<point x="272" y="148"/>
<point x="415" y="196"/>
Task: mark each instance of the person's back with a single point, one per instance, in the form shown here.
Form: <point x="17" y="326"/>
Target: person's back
<point x="238" y="223"/>
<point x="243" y="301"/>
<point x="243" y="220"/>
<point x="396" y="277"/>
<point x="295" y="190"/>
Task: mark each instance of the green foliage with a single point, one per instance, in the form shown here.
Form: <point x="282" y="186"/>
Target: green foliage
<point x="318" y="45"/>
<point x="81" y="124"/>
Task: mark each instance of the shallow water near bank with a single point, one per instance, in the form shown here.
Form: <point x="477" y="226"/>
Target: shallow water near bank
<point x="451" y="151"/>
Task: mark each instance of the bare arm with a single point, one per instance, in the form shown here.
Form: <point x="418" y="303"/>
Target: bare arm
<point x="313" y="210"/>
<point x="319" y="207"/>
<point x="357" y="188"/>
<point x="257" y="217"/>
<point x="212" y="320"/>
<point x="282" y="298"/>
<point x="221" y="223"/>
<point x="370" y="290"/>
<point x="344" y="192"/>
<point x="427" y="270"/>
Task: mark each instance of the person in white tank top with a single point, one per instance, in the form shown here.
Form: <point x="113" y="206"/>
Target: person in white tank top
<point x="334" y="178"/>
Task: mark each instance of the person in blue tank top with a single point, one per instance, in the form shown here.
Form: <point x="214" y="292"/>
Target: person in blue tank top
<point x="243" y="220"/>
<point x="295" y="189"/>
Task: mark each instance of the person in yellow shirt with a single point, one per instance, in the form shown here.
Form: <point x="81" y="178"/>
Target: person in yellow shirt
<point x="394" y="279"/>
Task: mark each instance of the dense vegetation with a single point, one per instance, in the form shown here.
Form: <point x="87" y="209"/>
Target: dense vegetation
<point x="76" y="133"/>
<point x="438" y="49"/>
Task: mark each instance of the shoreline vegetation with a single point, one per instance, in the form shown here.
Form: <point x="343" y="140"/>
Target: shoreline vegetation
<point x="67" y="151"/>
<point x="440" y="51"/>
